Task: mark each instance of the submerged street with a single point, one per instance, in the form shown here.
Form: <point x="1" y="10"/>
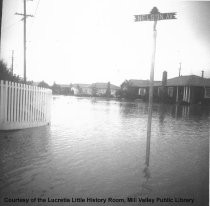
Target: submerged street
<point x="96" y="148"/>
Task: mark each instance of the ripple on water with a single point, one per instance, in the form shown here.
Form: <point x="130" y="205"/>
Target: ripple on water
<point x="99" y="148"/>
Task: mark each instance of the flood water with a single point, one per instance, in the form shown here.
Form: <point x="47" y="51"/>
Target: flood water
<point x="96" y="148"/>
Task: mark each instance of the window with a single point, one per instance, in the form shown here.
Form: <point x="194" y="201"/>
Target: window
<point x="159" y="91"/>
<point x="142" y="91"/>
<point x="170" y="91"/>
<point x="207" y="92"/>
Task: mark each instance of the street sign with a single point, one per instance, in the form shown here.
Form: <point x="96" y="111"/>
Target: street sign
<point x="155" y="17"/>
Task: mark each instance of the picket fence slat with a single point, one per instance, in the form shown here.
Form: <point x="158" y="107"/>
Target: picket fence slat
<point x="11" y="103"/>
<point x="18" y="102"/>
<point x="1" y="101"/>
<point x="33" y="103"/>
<point x="5" y="101"/>
<point x="8" y="100"/>
<point x="23" y="106"/>
<point x="15" y="100"/>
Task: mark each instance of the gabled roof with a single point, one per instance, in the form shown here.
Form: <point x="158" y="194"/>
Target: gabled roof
<point x="142" y="83"/>
<point x="190" y="80"/>
<point x="104" y="86"/>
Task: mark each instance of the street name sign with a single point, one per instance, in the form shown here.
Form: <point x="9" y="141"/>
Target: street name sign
<point x="155" y="17"/>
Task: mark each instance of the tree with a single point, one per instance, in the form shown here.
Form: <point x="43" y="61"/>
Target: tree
<point x="43" y="84"/>
<point x="94" y="90"/>
<point x="124" y="87"/>
<point x="79" y="89"/>
<point x="56" y="89"/>
<point x="119" y="93"/>
<point x="6" y="74"/>
<point x="108" y="90"/>
<point x="70" y="88"/>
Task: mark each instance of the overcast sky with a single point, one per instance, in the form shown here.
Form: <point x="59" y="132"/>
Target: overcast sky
<point x="86" y="41"/>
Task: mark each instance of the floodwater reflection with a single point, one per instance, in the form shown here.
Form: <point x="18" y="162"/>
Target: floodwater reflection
<point x="99" y="148"/>
<point x="146" y="189"/>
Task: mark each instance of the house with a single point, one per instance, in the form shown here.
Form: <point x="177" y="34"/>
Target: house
<point x="189" y="89"/>
<point x="103" y="89"/>
<point x="61" y="89"/>
<point x="82" y="89"/>
<point x="65" y="88"/>
<point x="138" y="89"/>
<point x="95" y="89"/>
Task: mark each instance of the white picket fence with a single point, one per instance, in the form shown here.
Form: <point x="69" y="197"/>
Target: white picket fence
<point x="23" y="106"/>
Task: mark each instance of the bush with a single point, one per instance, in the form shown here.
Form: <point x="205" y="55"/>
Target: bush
<point x="7" y="75"/>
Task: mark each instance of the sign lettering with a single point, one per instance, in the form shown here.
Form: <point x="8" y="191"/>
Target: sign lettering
<point x="155" y="17"/>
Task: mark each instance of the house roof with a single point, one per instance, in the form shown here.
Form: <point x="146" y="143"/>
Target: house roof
<point x="190" y="80"/>
<point x="142" y="83"/>
<point x="82" y="85"/>
<point x="64" y="85"/>
<point x="104" y="86"/>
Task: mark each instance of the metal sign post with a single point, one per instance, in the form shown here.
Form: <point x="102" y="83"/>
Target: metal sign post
<point x="155" y="16"/>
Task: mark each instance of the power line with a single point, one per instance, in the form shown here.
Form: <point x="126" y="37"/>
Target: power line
<point x="35" y="12"/>
<point x="13" y="24"/>
<point x="36" y="7"/>
<point x="24" y="35"/>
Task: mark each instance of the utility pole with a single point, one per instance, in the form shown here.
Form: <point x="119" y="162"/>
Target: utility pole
<point x="1" y="8"/>
<point x="24" y="38"/>
<point x="12" y="62"/>
<point x="24" y="35"/>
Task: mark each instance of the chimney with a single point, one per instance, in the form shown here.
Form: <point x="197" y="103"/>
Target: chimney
<point x="202" y="75"/>
<point x="164" y="78"/>
<point x="180" y="67"/>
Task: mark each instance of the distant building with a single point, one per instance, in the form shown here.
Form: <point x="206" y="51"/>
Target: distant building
<point x="82" y="89"/>
<point x="65" y="89"/>
<point x="65" y="86"/>
<point x="95" y="89"/>
<point x="100" y="89"/>
<point x="61" y="89"/>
